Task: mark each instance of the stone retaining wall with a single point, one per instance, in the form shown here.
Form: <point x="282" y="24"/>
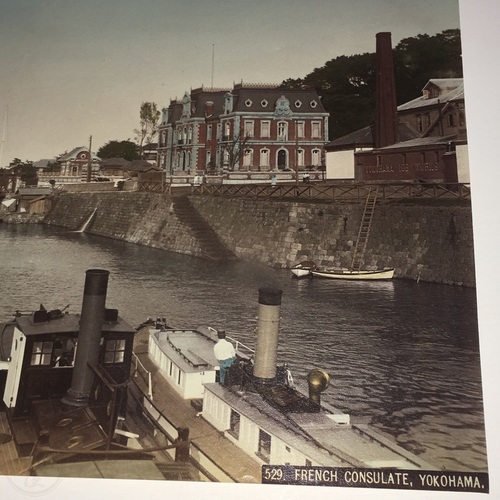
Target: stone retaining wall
<point x="429" y="241"/>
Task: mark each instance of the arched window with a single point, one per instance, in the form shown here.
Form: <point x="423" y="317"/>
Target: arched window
<point x="300" y="157"/>
<point x="264" y="158"/>
<point x="247" y="157"/>
<point x="316" y="157"/>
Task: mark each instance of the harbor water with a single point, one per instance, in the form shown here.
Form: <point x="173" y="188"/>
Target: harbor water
<point x="403" y="356"/>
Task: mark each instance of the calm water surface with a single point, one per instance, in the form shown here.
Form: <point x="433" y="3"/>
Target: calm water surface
<point x="402" y="356"/>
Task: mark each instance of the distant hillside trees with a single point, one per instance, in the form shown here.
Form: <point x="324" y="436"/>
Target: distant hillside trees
<point x="347" y="83"/>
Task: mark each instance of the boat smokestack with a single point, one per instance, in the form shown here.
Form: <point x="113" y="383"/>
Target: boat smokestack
<point x="89" y="337"/>
<point x="268" y="322"/>
<point x="386" y="121"/>
<point x="318" y="381"/>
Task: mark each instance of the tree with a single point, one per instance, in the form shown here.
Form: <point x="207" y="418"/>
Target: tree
<point x="119" y="149"/>
<point x="347" y="84"/>
<point x="232" y="152"/>
<point x="420" y="58"/>
<point x="149" y="117"/>
<point x="27" y="170"/>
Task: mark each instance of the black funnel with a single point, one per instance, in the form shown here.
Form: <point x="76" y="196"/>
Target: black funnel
<point x="89" y="337"/>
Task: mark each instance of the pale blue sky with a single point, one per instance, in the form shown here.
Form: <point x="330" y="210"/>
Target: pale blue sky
<point x="75" y="68"/>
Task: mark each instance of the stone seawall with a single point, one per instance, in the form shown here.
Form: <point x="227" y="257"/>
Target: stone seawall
<point x="430" y="241"/>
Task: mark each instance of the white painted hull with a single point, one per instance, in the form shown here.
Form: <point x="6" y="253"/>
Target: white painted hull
<point x="300" y="273"/>
<point x="303" y="269"/>
<point x="384" y="274"/>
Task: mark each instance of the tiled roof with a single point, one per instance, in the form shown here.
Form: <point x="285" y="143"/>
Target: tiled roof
<point x="114" y="162"/>
<point x="453" y="90"/>
<point x="445" y="83"/>
<point x="34" y="191"/>
<point x="141" y="166"/>
<point x="364" y="138"/>
<point x="420" y="142"/>
<point x="74" y="153"/>
<point x="44" y="163"/>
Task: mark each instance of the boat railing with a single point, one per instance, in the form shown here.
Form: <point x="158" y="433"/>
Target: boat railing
<point x="138" y="364"/>
<point x="241" y="348"/>
<point x="203" y="462"/>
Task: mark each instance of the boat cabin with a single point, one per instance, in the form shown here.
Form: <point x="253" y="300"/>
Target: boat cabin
<point x="42" y="354"/>
<point x="186" y="358"/>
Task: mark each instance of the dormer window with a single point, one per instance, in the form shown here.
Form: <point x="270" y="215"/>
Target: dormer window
<point x="264" y="103"/>
<point x="228" y="103"/>
<point x="313" y="104"/>
<point x="248" y="103"/>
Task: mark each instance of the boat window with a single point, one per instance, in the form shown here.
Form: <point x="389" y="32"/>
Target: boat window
<point x="115" y="351"/>
<point x="264" y="450"/>
<point x="234" y="424"/>
<point x="64" y="352"/>
<point x="41" y="354"/>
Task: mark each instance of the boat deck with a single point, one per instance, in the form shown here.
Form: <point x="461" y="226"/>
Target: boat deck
<point x="10" y="462"/>
<point x="236" y="464"/>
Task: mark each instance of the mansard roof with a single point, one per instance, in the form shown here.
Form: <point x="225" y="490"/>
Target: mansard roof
<point x="263" y="100"/>
<point x="247" y="98"/>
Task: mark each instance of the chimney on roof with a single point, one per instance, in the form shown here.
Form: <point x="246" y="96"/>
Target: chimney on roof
<point x="386" y="121"/>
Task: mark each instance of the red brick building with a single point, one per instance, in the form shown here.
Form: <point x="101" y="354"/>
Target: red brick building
<point x="249" y="128"/>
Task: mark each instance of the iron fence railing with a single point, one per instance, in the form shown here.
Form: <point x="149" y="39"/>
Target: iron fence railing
<point x="321" y="191"/>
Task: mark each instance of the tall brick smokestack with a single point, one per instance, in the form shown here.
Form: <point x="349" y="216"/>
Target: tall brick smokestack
<point x="386" y="121"/>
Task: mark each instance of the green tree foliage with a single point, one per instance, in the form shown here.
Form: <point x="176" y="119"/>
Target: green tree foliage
<point x="347" y="84"/>
<point x="28" y="171"/>
<point x="149" y="117"/>
<point x="418" y="59"/>
<point x="119" y="149"/>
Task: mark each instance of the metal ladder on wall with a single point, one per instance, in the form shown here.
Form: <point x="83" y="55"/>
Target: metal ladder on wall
<point x="364" y="229"/>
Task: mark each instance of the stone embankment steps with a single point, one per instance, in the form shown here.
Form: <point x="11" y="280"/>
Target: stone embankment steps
<point x="212" y="246"/>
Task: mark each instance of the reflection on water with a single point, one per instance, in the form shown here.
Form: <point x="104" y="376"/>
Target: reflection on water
<point x="402" y="356"/>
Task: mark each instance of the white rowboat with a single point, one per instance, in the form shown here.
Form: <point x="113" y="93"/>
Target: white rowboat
<point x="382" y="274"/>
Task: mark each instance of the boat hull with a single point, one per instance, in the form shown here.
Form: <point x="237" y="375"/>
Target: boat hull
<point x="384" y="274"/>
<point x="303" y="269"/>
<point x="301" y="273"/>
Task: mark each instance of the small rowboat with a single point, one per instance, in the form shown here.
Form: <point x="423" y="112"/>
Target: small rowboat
<point x="303" y="269"/>
<point x="382" y="274"/>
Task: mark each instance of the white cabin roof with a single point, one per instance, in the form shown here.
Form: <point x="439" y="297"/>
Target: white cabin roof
<point x="190" y="350"/>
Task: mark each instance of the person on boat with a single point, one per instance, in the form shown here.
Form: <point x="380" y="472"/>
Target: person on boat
<point x="224" y="353"/>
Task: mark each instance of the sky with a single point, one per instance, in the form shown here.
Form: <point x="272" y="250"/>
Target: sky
<point x="71" y="69"/>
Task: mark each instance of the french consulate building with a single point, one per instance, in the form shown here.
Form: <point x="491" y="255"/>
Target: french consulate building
<point x="248" y="128"/>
